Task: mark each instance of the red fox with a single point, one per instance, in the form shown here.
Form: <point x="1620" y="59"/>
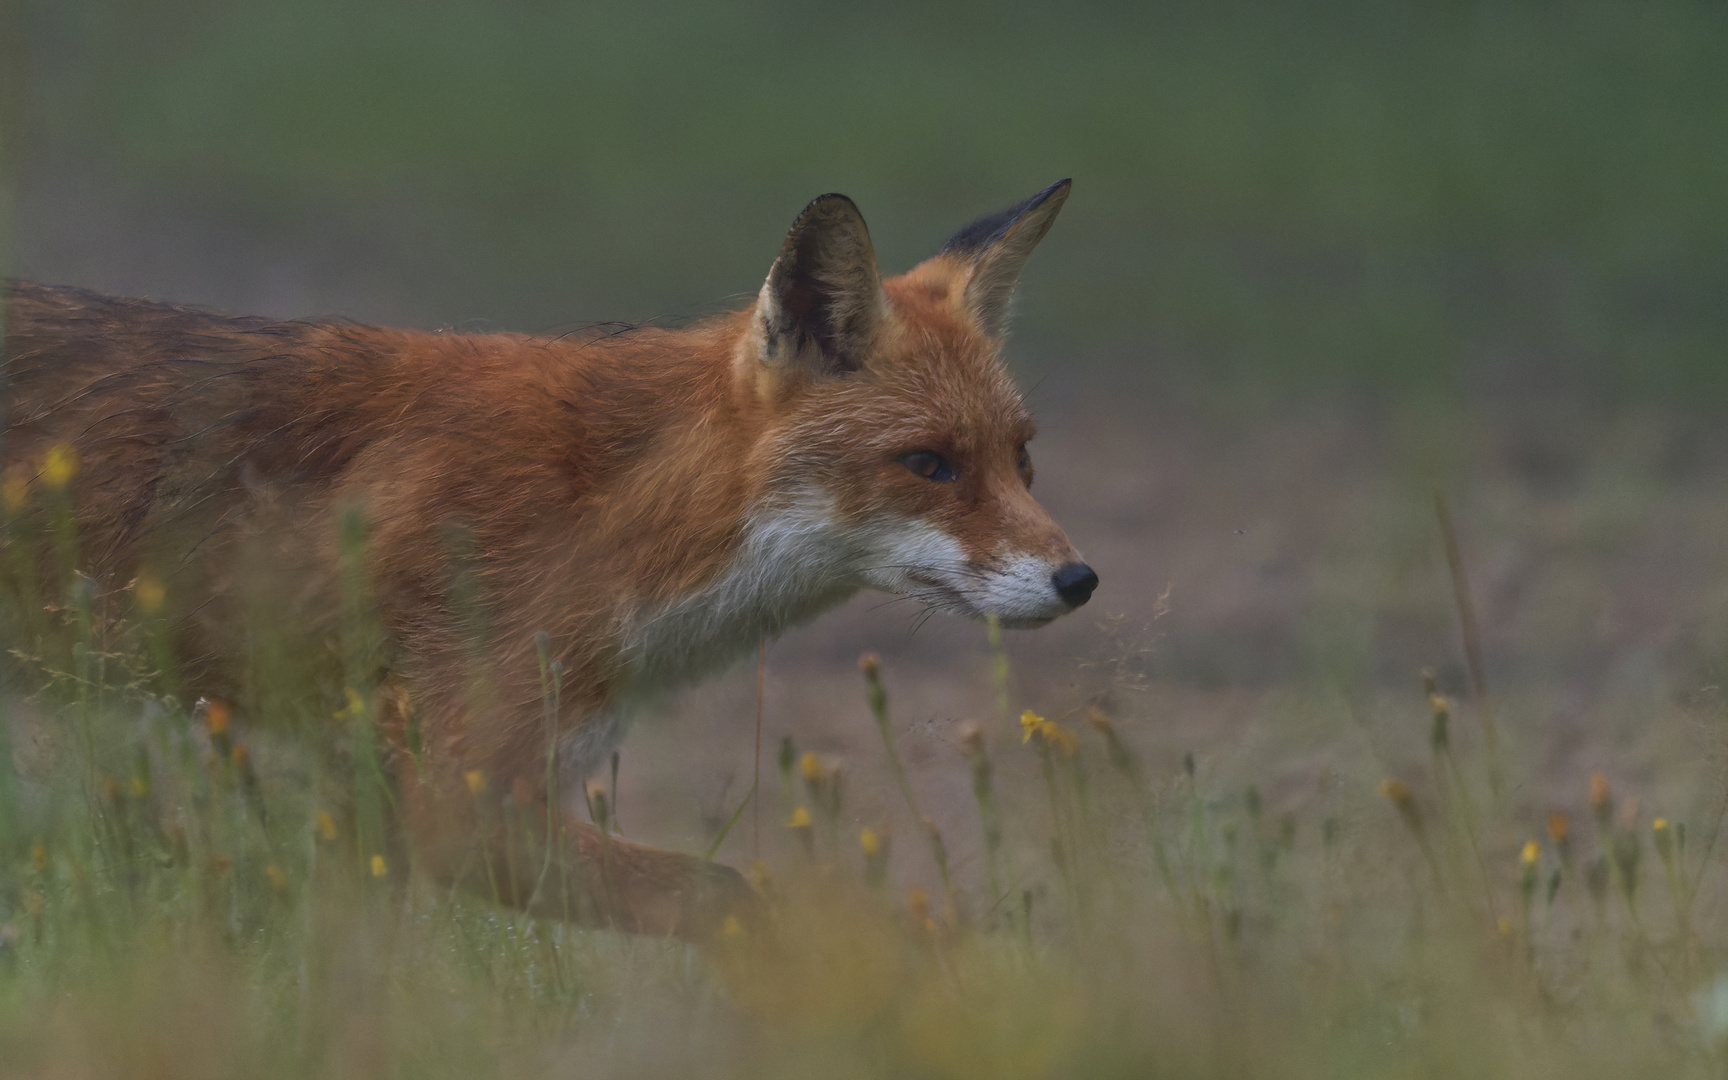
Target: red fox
<point x="637" y="507"/>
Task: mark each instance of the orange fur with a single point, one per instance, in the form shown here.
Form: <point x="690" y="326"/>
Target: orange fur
<point x="650" y="501"/>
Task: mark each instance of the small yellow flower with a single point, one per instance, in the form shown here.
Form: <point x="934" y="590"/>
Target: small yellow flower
<point x="1052" y="733"/>
<point x="1504" y="925"/>
<point x="1061" y="738"/>
<point x="918" y="902"/>
<point x="39" y="857"/>
<point x="278" y="877"/>
<point x="731" y="928"/>
<point x="139" y="788"/>
<point x="15" y="489"/>
<point x="1664" y="839"/>
<point x="378" y="867"/>
<point x="810" y="767"/>
<point x="1559" y="827"/>
<point x="476" y="781"/>
<point x="326" y="826"/>
<point x="800" y="819"/>
<point x="356" y="704"/>
<point x="59" y="465"/>
<point x="1397" y="792"/>
<point x="149" y="594"/>
<point x="1530" y="854"/>
<point x="1601" y="799"/>
<point x="870" y="842"/>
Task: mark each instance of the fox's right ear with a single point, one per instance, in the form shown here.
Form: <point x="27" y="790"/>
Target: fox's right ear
<point x="822" y="304"/>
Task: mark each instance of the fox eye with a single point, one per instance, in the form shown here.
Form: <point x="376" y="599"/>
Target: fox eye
<point x="930" y="465"/>
<point x="1023" y="460"/>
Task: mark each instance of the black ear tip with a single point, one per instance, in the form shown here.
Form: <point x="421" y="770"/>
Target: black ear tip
<point x="1057" y="190"/>
<point x="981" y="234"/>
<point x="829" y="207"/>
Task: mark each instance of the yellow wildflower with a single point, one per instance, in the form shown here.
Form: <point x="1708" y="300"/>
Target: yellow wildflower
<point x="1664" y="838"/>
<point x="800" y="819"/>
<point x="378" y="867"/>
<point x="1052" y="733"/>
<point x="1397" y="792"/>
<point x="476" y="781"/>
<point x="1530" y="854"/>
<point x="918" y="903"/>
<point x="59" y="465"/>
<point x="870" y="842"/>
<point x="1559" y="827"/>
<point x="1601" y="800"/>
<point x="810" y="767"/>
<point x="278" y="877"/>
<point x="326" y="826"/>
<point x="1061" y="738"/>
<point x="149" y="594"/>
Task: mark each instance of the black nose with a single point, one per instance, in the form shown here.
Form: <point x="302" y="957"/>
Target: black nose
<point x="1074" y="583"/>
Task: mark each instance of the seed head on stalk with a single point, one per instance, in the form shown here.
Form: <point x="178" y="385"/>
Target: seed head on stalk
<point x="1397" y="792"/>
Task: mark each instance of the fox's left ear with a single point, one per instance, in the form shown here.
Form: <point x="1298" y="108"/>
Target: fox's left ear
<point x="995" y="248"/>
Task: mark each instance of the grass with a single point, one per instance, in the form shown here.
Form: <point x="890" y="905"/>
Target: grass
<point x="183" y="894"/>
<point x="1454" y="200"/>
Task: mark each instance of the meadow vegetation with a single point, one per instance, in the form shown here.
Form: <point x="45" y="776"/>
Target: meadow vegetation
<point x="188" y="892"/>
<point x="1233" y="830"/>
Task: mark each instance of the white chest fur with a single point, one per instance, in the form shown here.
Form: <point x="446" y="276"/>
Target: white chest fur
<point x="795" y="561"/>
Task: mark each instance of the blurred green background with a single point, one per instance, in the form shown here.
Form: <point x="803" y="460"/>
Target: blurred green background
<point x="1474" y="199"/>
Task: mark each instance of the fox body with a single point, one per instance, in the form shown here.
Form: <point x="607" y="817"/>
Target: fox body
<point x="640" y="507"/>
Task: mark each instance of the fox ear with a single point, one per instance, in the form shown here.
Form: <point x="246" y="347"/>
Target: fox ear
<point x="996" y="248"/>
<point x="823" y="302"/>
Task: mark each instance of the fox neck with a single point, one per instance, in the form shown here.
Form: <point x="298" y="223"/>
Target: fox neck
<point x="793" y="561"/>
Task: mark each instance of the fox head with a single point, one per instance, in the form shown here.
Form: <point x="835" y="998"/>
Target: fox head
<point x="898" y="444"/>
